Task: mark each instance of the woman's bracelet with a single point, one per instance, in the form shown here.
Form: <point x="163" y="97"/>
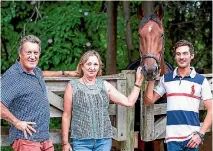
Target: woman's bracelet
<point x="137" y="85"/>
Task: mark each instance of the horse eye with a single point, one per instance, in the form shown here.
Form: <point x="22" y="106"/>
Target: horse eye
<point x="162" y="35"/>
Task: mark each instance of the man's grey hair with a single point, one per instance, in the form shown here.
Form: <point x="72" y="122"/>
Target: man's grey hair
<point x="29" y="38"/>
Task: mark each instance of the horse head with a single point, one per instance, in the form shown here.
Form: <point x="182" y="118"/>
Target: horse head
<point x="151" y="41"/>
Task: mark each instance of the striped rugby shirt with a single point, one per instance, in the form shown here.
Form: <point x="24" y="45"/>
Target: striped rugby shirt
<point x="183" y="100"/>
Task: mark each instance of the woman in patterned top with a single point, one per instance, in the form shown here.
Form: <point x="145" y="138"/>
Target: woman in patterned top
<point x="86" y="102"/>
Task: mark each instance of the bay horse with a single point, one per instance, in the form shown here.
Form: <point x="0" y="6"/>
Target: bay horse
<point x="151" y="44"/>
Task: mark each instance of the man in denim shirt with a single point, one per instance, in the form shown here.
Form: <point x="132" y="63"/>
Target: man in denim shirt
<point x="24" y="101"/>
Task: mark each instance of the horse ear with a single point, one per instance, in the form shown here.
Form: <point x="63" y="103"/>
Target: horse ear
<point x="140" y="12"/>
<point x="159" y="12"/>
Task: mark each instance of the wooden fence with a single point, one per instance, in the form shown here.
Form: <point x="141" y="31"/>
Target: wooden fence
<point x="122" y="118"/>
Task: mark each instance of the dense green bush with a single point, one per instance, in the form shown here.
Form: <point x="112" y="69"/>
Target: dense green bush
<point x="67" y="29"/>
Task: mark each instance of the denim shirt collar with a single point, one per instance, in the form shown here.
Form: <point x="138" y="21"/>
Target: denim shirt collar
<point x="21" y="70"/>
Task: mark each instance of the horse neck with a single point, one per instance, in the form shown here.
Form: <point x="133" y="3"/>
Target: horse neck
<point x="163" y="67"/>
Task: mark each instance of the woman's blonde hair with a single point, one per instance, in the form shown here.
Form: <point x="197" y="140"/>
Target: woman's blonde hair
<point x="84" y="59"/>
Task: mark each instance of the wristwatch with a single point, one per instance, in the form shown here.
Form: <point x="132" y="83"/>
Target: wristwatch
<point x="201" y="135"/>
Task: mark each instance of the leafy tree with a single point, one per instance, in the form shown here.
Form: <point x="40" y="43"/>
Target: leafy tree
<point x="68" y="29"/>
<point x="190" y="20"/>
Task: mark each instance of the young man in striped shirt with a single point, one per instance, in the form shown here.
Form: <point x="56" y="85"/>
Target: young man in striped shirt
<point x="184" y="89"/>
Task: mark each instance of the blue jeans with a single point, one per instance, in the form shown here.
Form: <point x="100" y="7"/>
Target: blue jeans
<point x="180" y="146"/>
<point x="104" y="144"/>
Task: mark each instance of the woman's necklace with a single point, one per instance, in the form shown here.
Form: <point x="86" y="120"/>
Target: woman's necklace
<point x="90" y="88"/>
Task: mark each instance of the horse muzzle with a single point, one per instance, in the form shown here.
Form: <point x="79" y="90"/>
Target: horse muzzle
<point x="150" y="74"/>
<point x="150" y="69"/>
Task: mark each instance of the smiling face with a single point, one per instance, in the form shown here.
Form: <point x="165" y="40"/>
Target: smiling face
<point x="29" y="56"/>
<point x="91" y="67"/>
<point x="183" y="57"/>
<point x="90" y="59"/>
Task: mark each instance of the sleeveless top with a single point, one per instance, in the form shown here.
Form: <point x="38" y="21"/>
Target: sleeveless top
<point x="90" y="117"/>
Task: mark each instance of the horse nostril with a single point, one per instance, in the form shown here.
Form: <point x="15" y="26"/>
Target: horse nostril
<point x="145" y="72"/>
<point x="156" y="69"/>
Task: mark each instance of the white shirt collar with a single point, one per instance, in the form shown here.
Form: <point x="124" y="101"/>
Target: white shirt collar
<point x="192" y="73"/>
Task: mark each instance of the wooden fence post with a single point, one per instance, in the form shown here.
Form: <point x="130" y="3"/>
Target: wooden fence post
<point x="128" y="145"/>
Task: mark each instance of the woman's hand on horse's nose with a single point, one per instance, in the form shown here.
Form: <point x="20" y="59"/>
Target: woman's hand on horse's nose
<point x="139" y="72"/>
